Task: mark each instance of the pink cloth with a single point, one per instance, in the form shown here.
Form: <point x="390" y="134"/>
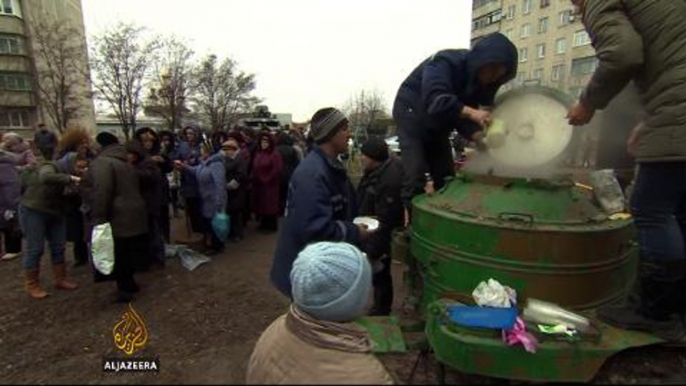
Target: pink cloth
<point x="518" y="334"/>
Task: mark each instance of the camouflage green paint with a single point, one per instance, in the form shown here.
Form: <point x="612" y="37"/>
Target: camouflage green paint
<point x="559" y="361"/>
<point x="385" y="334"/>
<point x="547" y="240"/>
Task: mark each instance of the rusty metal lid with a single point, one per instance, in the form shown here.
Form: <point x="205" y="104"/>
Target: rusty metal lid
<point x="536" y="131"/>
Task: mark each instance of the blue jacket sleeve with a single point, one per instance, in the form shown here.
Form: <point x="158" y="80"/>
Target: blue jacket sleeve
<point x="438" y="96"/>
<point x="219" y="178"/>
<point x="312" y="213"/>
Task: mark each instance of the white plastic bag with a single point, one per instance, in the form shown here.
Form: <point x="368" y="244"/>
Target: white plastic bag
<point x="607" y="191"/>
<point x="102" y="248"/>
<point x="191" y="259"/>
<point x="494" y="294"/>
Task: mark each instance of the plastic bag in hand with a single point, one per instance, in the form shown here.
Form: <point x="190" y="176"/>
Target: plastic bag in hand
<point x="9" y="214"/>
<point x="221" y="225"/>
<point x="494" y="294"/>
<point x="102" y="248"/>
<point x="233" y="185"/>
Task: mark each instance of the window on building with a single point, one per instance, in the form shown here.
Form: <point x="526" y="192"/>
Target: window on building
<point x="10" y="7"/>
<point x="540" y="49"/>
<point x="558" y="74"/>
<point x="486" y="20"/>
<point x="15" y="82"/>
<point x="511" y="12"/>
<point x="584" y="66"/>
<point x="526" y="7"/>
<point x="561" y="46"/>
<point x="16" y="118"/>
<point x="526" y="30"/>
<point x="523" y="54"/>
<point x="11" y="45"/>
<point x="538" y="73"/>
<point x="509" y="33"/>
<point x="521" y="77"/>
<point x="545" y="3"/>
<point x="7" y="7"/>
<point x="481" y="3"/>
<point x="566" y="17"/>
<point x="581" y="38"/>
<point x="543" y="25"/>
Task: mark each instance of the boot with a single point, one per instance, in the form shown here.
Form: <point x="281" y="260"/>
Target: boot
<point x="653" y="305"/>
<point x="31" y="284"/>
<point x="61" y="282"/>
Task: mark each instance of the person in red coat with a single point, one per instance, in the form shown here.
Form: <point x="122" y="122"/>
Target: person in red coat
<point x="266" y="178"/>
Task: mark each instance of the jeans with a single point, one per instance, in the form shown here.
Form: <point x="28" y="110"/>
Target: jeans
<point x="420" y="154"/>
<point x="38" y="227"/>
<point x="658" y="204"/>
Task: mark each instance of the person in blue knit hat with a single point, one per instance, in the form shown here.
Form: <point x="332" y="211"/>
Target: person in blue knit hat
<point x="316" y="341"/>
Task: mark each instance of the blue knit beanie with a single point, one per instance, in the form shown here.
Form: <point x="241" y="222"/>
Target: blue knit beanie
<point x="331" y="281"/>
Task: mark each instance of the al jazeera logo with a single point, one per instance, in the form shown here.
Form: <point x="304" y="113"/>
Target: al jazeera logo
<point x="130" y="336"/>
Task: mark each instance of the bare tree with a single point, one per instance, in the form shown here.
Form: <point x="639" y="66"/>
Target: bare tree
<point x="61" y="81"/>
<point x="222" y="91"/>
<point x="168" y="97"/>
<point x="120" y="59"/>
<point x="363" y="109"/>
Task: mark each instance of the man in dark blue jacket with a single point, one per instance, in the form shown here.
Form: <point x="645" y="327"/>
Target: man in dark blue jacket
<point x="452" y="89"/>
<point x="321" y="199"/>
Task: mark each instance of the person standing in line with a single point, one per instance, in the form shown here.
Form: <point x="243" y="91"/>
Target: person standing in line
<point x="46" y="142"/>
<point x="115" y="198"/>
<point x="266" y="179"/>
<point x="321" y="202"/>
<point x="379" y="196"/>
<point x="236" y="182"/>
<point x="291" y="159"/>
<point x="43" y="216"/>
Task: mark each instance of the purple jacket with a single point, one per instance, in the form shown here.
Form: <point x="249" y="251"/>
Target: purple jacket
<point x="10" y="184"/>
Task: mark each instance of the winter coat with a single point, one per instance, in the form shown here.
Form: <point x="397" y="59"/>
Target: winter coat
<point x="321" y="206"/>
<point x="267" y="168"/>
<point x="211" y="177"/>
<point x="237" y="169"/>
<point x="45" y="190"/>
<point x="116" y="194"/>
<point x="290" y="158"/>
<point x="152" y="183"/>
<point x="45" y="140"/>
<point x="644" y="41"/>
<point x="379" y="195"/>
<point x="189" y="154"/>
<point x="72" y="198"/>
<point x="297" y="349"/>
<point x="10" y="185"/>
<point x="435" y="93"/>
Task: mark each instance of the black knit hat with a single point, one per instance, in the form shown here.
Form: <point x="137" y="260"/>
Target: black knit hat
<point x="375" y="149"/>
<point x="105" y="139"/>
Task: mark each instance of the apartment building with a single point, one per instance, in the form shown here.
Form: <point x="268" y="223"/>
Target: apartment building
<point x="554" y="49"/>
<point x="20" y="106"/>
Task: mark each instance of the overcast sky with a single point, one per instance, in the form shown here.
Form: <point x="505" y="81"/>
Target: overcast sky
<point x="306" y="54"/>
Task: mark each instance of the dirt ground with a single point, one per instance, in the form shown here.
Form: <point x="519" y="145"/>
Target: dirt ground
<point x="202" y="325"/>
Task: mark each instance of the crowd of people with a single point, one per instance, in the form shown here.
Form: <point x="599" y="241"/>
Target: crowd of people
<point x="59" y="187"/>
